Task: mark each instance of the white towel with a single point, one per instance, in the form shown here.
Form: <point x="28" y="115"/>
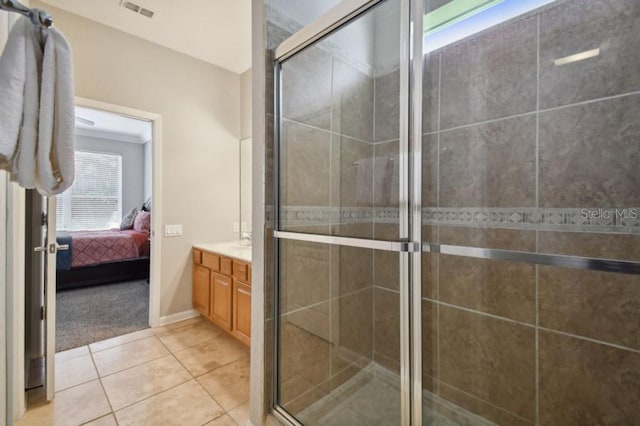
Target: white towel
<point x="56" y="140"/>
<point x="12" y="81"/>
<point x="24" y="163"/>
<point x="364" y="181"/>
<point x="394" y="188"/>
<point x="381" y="180"/>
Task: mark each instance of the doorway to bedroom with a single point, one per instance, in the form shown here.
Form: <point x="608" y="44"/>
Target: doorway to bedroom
<point x="105" y="218"/>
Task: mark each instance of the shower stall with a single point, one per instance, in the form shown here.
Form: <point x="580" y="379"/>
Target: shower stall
<point x="453" y="212"/>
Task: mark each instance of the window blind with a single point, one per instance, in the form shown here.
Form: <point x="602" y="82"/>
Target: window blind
<point x="94" y="201"/>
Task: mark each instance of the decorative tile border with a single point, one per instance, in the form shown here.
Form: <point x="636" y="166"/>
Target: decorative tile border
<point x="570" y="219"/>
<point x="305" y="216"/>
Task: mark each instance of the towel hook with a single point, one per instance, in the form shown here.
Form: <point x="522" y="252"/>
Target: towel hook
<point x="36" y="15"/>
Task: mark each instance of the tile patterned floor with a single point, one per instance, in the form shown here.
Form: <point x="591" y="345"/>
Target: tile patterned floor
<point x="188" y="373"/>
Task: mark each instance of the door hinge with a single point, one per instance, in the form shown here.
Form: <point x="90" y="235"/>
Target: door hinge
<point x="42" y="312"/>
<point x="43" y="218"/>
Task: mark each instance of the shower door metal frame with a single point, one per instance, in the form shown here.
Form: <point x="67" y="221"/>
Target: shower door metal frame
<point x="408" y="246"/>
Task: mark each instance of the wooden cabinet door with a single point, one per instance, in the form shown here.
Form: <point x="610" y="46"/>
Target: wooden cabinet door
<point x="221" y="300"/>
<point x="201" y="289"/>
<point x="242" y="311"/>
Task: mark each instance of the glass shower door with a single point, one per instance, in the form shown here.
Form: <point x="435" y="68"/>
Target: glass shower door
<point x="530" y="219"/>
<point x="341" y="127"/>
<point x="506" y="147"/>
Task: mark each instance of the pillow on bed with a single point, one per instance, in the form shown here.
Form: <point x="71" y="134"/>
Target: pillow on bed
<point x="146" y="206"/>
<point x="128" y="219"/>
<point x="142" y="223"/>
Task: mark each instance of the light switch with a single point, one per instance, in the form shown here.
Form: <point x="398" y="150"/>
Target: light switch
<point x="236" y="227"/>
<point x="172" y="230"/>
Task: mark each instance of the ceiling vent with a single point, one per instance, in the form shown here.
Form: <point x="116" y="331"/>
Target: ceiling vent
<point x="146" y="12"/>
<point x="131" y="6"/>
<point x="137" y="9"/>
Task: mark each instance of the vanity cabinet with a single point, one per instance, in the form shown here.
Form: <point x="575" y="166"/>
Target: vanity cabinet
<point x="222" y="292"/>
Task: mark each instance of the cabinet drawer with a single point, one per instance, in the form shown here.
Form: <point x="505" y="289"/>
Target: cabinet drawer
<point x="211" y="261"/>
<point x="241" y="271"/>
<point x="197" y="256"/>
<point x="225" y="265"/>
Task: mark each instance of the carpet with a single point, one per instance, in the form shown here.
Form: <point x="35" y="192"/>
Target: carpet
<point x="88" y="315"/>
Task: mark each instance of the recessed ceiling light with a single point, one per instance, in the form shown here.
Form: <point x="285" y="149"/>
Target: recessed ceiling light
<point x="577" y="57"/>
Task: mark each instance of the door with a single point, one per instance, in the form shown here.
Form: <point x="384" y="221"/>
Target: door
<point x="530" y="213"/>
<point x="221" y="299"/>
<point x="51" y="251"/>
<point x="242" y="311"/>
<point x="34" y="291"/>
<point x="41" y="292"/>
<point x="458" y="243"/>
<point x="343" y="226"/>
<point x="201" y="289"/>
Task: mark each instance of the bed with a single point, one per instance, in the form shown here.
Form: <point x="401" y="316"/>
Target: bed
<point x="101" y="257"/>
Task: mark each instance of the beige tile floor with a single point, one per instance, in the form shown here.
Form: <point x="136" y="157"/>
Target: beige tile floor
<point x="188" y="373"/>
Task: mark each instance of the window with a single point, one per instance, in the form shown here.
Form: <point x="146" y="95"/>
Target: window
<point x="94" y="201"/>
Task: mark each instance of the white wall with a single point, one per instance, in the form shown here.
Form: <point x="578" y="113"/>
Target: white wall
<point x="148" y="164"/>
<point x="132" y="166"/>
<point x="245" y="184"/>
<point x="245" y="150"/>
<point x="245" y="104"/>
<point x="200" y="108"/>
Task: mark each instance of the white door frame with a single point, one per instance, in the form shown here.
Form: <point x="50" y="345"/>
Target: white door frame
<point x="5" y="385"/>
<point x="156" y="194"/>
<point x="15" y="299"/>
<point x="13" y="222"/>
<point x="12" y="246"/>
<point x="3" y="298"/>
<point x="12" y="240"/>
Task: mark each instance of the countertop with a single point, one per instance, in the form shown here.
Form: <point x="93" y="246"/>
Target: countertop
<point x="229" y="248"/>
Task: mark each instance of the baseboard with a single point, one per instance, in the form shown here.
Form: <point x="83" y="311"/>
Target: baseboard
<point x="180" y="316"/>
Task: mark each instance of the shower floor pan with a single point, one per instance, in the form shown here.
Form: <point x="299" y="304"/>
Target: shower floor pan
<point x="372" y="397"/>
